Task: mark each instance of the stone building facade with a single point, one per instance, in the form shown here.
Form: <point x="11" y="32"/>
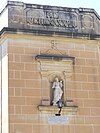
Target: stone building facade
<point x="37" y="44"/>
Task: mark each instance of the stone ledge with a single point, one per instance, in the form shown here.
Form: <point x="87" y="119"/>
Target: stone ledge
<point x="85" y="36"/>
<point x="66" y="110"/>
<point x="54" y="57"/>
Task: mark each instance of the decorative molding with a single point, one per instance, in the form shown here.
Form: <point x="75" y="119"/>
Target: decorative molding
<point x="52" y="18"/>
<point x="51" y="64"/>
<point x="54" y="57"/>
<point x="67" y="110"/>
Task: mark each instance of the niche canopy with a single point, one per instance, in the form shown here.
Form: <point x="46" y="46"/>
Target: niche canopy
<point x="56" y="64"/>
<point x="51" y="57"/>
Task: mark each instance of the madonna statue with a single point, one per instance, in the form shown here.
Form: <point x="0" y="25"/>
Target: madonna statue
<point x="57" y="86"/>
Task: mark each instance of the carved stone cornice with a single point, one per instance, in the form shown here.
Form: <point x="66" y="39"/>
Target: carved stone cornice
<point x="55" y="57"/>
<point x="51" y="18"/>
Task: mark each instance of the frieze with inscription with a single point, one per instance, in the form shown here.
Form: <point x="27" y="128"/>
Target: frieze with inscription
<point x="52" y="18"/>
<point x="49" y="18"/>
<point x="51" y="22"/>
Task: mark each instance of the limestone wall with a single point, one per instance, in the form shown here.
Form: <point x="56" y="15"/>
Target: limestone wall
<point x="26" y="89"/>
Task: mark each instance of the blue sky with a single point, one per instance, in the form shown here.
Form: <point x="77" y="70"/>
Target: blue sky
<point x="66" y="3"/>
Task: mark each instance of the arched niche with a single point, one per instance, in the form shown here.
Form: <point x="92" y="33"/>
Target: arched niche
<point x="51" y="79"/>
<point x="52" y="66"/>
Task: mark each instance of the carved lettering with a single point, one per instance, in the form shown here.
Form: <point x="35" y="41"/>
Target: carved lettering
<point x="51" y="22"/>
<point x="53" y="15"/>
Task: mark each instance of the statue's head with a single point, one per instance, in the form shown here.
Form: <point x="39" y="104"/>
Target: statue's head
<point x="56" y="79"/>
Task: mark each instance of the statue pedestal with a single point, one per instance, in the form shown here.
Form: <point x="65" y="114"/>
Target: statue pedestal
<point x="66" y="110"/>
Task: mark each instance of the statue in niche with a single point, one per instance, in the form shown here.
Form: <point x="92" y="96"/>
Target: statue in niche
<point x="58" y="92"/>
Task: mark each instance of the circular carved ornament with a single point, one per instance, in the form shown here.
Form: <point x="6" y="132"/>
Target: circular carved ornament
<point x="15" y="15"/>
<point x="87" y="21"/>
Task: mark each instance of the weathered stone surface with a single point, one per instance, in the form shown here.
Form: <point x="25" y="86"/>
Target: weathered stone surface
<point x="52" y="18"/>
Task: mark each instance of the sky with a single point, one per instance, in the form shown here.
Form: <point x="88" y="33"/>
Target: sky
<point x="95" y="4"/>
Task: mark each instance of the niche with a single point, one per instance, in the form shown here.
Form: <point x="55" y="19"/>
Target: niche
<point x="52" y="67"/>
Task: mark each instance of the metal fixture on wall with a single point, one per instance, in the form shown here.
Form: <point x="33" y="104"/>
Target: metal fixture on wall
<point x="60" y="105"/>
